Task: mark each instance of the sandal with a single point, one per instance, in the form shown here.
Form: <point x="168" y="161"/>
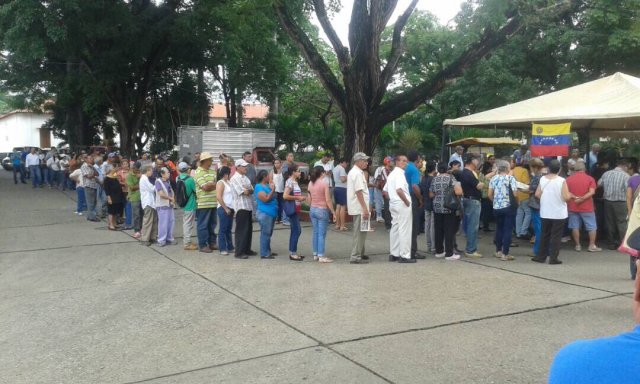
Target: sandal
<point x="296" y="258"/>
<point x="344" y="229"/>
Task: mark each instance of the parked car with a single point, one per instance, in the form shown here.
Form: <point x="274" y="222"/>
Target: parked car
<point x="6" y="161"/>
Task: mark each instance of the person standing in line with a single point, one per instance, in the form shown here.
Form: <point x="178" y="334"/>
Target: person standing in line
<point x="501" y="189"/>
<point x="32" y="162"/>
<point x="205" y="187"/>
<point x="243" y="203"/>
<point x="615" y="183"/>
<point x="101" y="199"/>
<point x="189" y="210"/>
<point x="90" y="183"/>
<point x="276" y="178"/>
<point x="327" y="164"/>
<point x="397" y="188"/>
<point x="457" y="155"/>
<point x="285" y="175"/>
<point x="425" y="185"/>
<point x="16" y="162"/>
<point x="535" y="165"/>
<point x="471" y="203"/>
<point x="357" y="205"/>
<point x="633" y="191"/>
<point x="444" y="220"/>
<point x="523" y="213"/>
<point x="380" y="177"/>
<point x="123" y="171"/>
<point x="321" y="205"/>
<point x="604" y="360"/>
<point x="553" y="194"/>
<point x="149" y="230"/>
<point x="165" y="200"/>
<point x="133" y="197"/>
<point x="113" y="190"/>
<point x="293" y="192"/>
<point x="267" y="211"/>
<point x="386" y="214"/>
<point x="412" y="174"/>
<point x="81" y="203"/>
<point x="224" y="195"/>
<point x="340" y="194"/>
<point x="582" y="187"/>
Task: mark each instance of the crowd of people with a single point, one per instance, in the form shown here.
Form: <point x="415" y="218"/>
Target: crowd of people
<point x="541" y="201"/>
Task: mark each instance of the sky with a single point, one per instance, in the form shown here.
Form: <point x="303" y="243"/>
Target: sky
<point x="445" y="10"/>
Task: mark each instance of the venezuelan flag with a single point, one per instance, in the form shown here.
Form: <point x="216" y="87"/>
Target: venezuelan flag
<point x="550" y="139"/>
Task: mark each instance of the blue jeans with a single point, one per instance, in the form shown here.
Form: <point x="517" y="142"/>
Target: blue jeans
<point x="36" y="175"/>
<point x="91" y="197"/>
<point x="46" y="176"/>
<point x="320" y="221"/>
<point x="206" y="218"/>
<point x="523" y="218"/>
<point x="379" y="202"/>
<point x="266" y="230"/>
<point x="225" y="242"/>
<point x="504" y="228"/>
<point x="471" y="222"/>
<point x="296" y="230"/>
<point x="537" y="228"/>
<point x="127" y="214"/>
<point x="82" y="201"/>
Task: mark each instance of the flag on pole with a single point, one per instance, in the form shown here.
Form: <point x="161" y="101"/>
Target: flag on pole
<point x="550" y="139"/>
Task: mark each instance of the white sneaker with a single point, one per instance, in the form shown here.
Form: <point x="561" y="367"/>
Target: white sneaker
<point x="79" y="213"/>
<point x="440" y="255"/>
<point x="453" y="257"/>
<point x="380" y="220"/>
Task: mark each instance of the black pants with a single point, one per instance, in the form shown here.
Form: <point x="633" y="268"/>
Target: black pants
<point x="244" y="231"/>
<point x="615" y="217"/>
<point x="445" y="231"/>
<point x="280" y="200"/>
<point x="602" y="230"/>
<point x="417" y="217"/>
<point x="386" y="214"/>
<point x="551" y="236"/>
<point x="486" y="213"/>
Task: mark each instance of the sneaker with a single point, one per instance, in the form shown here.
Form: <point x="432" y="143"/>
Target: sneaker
<point x="172" y="242"/>
<point x="380" y="220"/>
<point x="440" y="255"/>
<point x="578" y="248"/>
<point x="79" y="213"/>
<point x="205" y="250"/>
<point x="161" y="244"/>
<point x="190" y="247"/>
<point x="453" y="257"/>
<point x="136" y="235"/>
<point x="358" y="261"/>
<point x="507" y="258"/>
<point x="286" y="223"/>
<point x="565" y="239"/>
<point x="555" y="262"/>
<point x="498" y="254"/>
<point x="474" y="255"/>
<point x="325" y="260"/>
<point x="595" y="249"/>
<point x="224" y="253"/>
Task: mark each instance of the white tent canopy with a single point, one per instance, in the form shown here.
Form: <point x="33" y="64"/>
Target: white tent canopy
<point x="608" y="104"/>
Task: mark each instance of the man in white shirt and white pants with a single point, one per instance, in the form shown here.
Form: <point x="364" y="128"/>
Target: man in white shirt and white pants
<point x="400" y="206"/>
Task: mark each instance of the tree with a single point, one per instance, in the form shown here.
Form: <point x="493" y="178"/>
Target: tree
<point x="360" y="88"/>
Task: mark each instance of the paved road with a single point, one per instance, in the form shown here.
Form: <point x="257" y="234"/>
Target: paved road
<point x="81" y="304"/>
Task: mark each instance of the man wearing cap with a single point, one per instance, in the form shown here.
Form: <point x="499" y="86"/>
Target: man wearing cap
<point x="358" y="205"/>
<point x="205" y="187"/>
<point x="457" y="155"/>
<point x="189" y="210"/>
<point x="242" y="191"/>
<point x="604" y="360"/>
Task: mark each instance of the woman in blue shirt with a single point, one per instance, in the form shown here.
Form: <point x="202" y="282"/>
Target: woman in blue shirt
<point x="267" y="212"/>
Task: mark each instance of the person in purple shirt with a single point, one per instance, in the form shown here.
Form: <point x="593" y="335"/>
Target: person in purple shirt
<point x="606" y="360"/>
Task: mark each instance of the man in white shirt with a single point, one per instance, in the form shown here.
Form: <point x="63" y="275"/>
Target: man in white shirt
<point x="358" y="206"/>
<point x="457" y="155"/>
<point x="400" y="206"/>
<point x="327" y="163"/>
<point x="242" y="191"/>
<point x="32" y="163"/>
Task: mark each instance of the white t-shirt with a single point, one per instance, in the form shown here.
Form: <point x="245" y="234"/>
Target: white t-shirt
<point x="327" y="168"/>
<point x="338" y="172"/>
<point x="395" y="180"/>
<point x="356" y="182"/>
<point x="552" y="205"/>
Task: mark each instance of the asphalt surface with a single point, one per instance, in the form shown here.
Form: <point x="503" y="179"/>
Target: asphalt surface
<point x="81" y="304"/>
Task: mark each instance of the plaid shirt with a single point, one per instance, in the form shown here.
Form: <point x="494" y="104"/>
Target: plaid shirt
<point x="614" y="183"/>
<point x="241" y="200"/>
<point x="87" y="170"/>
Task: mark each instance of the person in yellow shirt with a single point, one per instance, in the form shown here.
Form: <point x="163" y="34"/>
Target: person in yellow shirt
<point x="523" y="215"/>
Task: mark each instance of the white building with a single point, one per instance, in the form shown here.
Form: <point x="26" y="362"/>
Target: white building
<point x="22" y="128"/>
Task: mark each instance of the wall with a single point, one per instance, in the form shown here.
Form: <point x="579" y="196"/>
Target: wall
<point x="22" y="129"/>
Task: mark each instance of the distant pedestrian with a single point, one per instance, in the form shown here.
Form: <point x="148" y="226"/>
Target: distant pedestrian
<point x="535" y="165"/>
<point x="445" y="222"/>
<point x="267" y="211"/>
<point x="400" y="201"/>
<point x="207" y="203"/>
<point x="553" y="194"/>
<point x="412" y="174"/>
<point x="16" y="162"/>
<point x="165" y="202"/>
<point x="133" y="196"/>
<point x="471" y="203"/>
<point x="293" y="196"/>
<point x="115" y="197"/>
<point x="225" y="211"/>
<point x="456" y="156"/>
<point x="81" y="201"/>
<point x="33" y="164"/>
<point x="523" y="213"/>
<point x="502" y="189"/>
<point x="189" y="210"/>
<point x="425" y="185"/>
<point x="243" y="202"/>
<point x="90" y="183"/>
<point x="340" y="193"/>
<point x="582" y="187"/>
<point x="357" y="205"/>
<point x="615" y="183"/>
<point x="149" y="231"/>
<point x="321" y="209"/>
<point x="276" y="177"/>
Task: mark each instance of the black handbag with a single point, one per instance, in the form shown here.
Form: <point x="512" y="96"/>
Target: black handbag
<point x="451" y="200"/>
<point x="513" y="203"/>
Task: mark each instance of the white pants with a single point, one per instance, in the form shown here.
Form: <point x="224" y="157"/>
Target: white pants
<point x="400" y="236"/>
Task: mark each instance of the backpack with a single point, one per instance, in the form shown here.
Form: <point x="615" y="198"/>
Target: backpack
<point x="182" y="198"/>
